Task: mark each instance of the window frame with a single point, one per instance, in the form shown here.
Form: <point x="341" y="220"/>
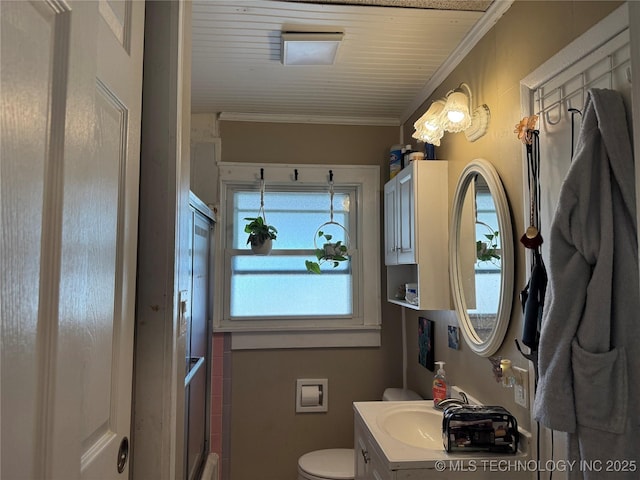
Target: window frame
<point x="362" y="328"/>
<point x="354" y="193"/>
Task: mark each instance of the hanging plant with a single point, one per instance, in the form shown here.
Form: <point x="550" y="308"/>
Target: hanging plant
<point x="330" y="252"/>
<point x="335" y="253"/>
<point x="261" y="234"/>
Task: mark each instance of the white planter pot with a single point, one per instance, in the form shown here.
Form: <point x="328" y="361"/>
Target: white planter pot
<point x="263" y="248"/>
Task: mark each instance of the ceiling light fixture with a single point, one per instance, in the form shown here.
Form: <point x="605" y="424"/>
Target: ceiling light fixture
<point x="309" y="48"/>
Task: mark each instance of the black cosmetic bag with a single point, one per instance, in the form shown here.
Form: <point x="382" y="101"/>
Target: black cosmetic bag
<point x="479" y="428"/>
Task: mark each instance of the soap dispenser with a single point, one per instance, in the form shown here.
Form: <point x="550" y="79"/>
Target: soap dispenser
<point x="440" y="387"/>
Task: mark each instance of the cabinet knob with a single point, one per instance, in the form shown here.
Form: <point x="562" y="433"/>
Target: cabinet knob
<point x="365" y="455"/>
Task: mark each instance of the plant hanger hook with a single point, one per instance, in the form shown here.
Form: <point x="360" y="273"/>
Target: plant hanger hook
<point x="261" y="210"/>
<point x="331" y="220"/>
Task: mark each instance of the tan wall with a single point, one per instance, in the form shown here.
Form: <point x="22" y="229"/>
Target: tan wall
<point x="525" y="37"/>
<point x="267" y="436"/>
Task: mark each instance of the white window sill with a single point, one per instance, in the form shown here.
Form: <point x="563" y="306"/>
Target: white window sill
<point x="368" y="336"/>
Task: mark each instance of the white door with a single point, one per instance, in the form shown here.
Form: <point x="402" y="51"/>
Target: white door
<point x="71" y="79"/>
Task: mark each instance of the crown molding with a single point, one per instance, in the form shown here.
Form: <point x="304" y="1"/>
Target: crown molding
<point x="479" y="30"/>
<point x="314" y="119"/>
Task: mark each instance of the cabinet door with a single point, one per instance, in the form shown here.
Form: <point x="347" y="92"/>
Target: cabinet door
<point x="406" y="217"/>
<point x="362" y="457"/>
<point x="390" y="223"/>
<point x="378" y="470"/>
<point x="368" y="465"/>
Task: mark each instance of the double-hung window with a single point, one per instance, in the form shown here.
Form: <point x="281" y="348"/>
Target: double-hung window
<point x="273" y="300"/>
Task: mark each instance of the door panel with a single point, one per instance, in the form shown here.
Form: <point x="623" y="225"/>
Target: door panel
<point x="117" y="16"/>
<point x="109" y="361"/>
<point x="103" y="292"/>
<point x="406" y="219"/>
<point x="25" y="159"/>
<point x="70" y="159"/>
<point x="200" y="287"/>
<point x="390" y="223"/>
<point x="199" y="338"/>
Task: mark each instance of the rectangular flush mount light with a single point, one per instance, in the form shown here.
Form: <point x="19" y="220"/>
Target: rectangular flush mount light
<point x="300" y="48"/>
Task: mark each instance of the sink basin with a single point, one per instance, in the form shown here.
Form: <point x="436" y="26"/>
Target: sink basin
<point x="418" y="426"/>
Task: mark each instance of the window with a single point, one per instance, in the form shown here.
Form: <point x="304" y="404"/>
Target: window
<point x="273" y="300"/>
<point x="274" y="281"/>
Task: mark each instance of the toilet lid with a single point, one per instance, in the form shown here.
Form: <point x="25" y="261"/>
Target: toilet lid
<point x="333" y="463"/>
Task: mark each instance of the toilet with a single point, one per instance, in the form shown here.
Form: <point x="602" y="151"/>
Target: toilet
<point x="339" y="463"/>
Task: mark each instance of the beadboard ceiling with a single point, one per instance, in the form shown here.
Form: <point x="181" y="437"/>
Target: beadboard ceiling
<point x="389" y="61"/>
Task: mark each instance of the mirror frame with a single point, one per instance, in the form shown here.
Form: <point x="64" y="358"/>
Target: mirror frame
<point x="489" y="346"/>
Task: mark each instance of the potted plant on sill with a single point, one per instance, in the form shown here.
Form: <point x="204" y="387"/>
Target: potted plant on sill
<point x="333" y="252"/>
<point x="261" y="235"/>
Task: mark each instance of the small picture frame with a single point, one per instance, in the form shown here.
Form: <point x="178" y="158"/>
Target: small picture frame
<point x="452" y="335"/>
<point x="426" y="343"/>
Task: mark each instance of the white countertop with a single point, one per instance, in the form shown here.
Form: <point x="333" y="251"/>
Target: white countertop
<point x="400" y="455"/>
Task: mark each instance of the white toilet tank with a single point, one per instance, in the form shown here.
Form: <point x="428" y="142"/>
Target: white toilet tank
<point x="399" y="394"/>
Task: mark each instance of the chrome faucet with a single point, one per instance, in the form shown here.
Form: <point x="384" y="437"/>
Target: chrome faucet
<point x="447" y="402"/>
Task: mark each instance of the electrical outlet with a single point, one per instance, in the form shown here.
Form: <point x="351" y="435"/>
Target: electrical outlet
<point x="521" y="386"/>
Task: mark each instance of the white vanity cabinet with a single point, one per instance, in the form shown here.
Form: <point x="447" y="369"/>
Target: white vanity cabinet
<point x="380" y="453"/>
<point x="371" y="463"/>
<point x="416" y="232"/>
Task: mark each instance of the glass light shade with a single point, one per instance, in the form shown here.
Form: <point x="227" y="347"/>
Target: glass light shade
<point x="428" y="126"/>
<point x="429" y="136"/>
<point x="455" y="116"/>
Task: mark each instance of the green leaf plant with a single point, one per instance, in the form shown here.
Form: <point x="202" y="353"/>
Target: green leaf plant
<point x="488" y="251"/>
<point x="259" y="231"/>
<point x="333" y="253"/>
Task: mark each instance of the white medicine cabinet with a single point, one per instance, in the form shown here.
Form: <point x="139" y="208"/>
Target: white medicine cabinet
<point x="416" y="228"/>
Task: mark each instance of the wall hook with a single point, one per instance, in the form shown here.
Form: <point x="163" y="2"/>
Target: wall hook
<point x="573" y="133"/>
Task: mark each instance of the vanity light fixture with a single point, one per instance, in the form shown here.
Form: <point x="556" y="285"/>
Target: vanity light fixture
<point x="309" y="48"/>
<point x="454" y="113"/>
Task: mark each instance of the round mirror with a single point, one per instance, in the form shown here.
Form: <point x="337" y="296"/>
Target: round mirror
<point x="481" y="258"/>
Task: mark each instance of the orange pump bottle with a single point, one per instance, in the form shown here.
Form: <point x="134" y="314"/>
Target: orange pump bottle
<point x="440" y="387"/>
